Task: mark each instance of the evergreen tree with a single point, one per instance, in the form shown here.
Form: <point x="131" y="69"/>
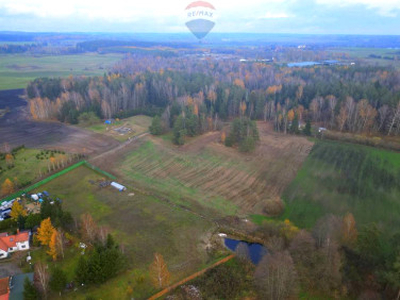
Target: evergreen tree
<point x="82" y="271"/>
<point x="179" y="131"/>
<point x="58" y="280"/>
<point x="30" y="292"/>
<point x="294" y="128"/>
<point x="33" y="220"/>
<point x="307" y="129"/>
<point x="244" y="133"/>
<point x="102" y="264"/>
<point x="192" y="125"/>
<point x="156" y="126"/>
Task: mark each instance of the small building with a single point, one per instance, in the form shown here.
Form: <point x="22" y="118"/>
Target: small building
<point x="5" y="288"/>
<point x="13" y="243"/>
<point x="118" y="186"/>
<point x="109" y="121"/>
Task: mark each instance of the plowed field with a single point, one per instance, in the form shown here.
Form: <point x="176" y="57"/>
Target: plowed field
<point x="205" y="173"/>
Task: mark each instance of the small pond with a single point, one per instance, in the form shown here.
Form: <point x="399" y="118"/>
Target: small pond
<point x="256" y="251"/>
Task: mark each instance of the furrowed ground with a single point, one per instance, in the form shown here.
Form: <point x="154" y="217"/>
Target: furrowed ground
<point x="338" y="178"/>
<point x="208" y="177"/>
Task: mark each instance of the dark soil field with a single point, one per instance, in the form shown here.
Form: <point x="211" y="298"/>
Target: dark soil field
<point x="16" y="128"/>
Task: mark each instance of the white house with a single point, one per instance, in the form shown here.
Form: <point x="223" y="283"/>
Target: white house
<point x="13" y="243"/>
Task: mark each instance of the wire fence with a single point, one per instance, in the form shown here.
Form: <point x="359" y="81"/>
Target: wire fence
<point x="54" y="176"/>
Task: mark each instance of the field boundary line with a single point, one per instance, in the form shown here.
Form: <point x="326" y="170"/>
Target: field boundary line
<point x="54" y="176"/>
<point x="94" y="168"/>
<point x="191" y="277"/>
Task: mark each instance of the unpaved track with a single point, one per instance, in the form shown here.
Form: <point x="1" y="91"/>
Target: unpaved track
<point x="190" y="278"/>
<point x="117" y="149"/>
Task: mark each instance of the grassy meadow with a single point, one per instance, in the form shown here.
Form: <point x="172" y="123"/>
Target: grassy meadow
<point x="339" y="178"/>
<point x="17" y="70"/>
<point x="28" y="165"/>
<point x="364" y="54"/>
<point x="137" y="124"/>
<point x="142" y="224"/>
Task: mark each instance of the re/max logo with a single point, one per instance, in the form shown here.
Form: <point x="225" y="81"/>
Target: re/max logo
<point x="200" y="13"/>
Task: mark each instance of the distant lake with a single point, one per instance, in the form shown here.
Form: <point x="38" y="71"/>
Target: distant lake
<point x="304" y="64"/>
<point x="256" y="251"/>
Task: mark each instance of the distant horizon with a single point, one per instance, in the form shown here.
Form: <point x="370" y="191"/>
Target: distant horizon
<point x="345" y="17"/>
<point x="188" y="33"/>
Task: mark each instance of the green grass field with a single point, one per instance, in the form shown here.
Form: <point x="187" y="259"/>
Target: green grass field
<point x="142" y="224"/>
<point x="212" y="179"/>
<point x="364" y="53"/>
<point x="137" y="124"/>
<point x="339" y="178"/>
<point x="150" y="164"/>
<point x="26" y="166"/>
<point x="17" y="70"/>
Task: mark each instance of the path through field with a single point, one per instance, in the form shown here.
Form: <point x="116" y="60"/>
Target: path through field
<point x="190" y="278"/>
<point x="214" y="176"/>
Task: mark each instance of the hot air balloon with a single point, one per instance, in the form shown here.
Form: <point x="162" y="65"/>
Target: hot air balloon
<point x="200" y="17"/>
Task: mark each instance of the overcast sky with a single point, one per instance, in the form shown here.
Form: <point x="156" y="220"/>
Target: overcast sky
<point x="264" y="16"/>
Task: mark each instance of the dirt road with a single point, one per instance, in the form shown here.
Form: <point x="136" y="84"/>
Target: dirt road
<point x="191" y="277"/>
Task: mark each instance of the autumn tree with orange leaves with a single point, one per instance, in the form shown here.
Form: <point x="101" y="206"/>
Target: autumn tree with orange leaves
<point x="45" y="232"/>
<point x="159" y="273"/>
<point x="17" y="210"/>
<point x="56" y="245"/>
<point x="223" y="137"/>
<point x="9" y="160"/>
<point x="349" y="230"/>
<point x="7" y="187"/>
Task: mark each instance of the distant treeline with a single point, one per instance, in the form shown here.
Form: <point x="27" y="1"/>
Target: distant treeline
<point x="96" y="45"/>
<point x="354" y="99"/>
<point x="13" y="48"/>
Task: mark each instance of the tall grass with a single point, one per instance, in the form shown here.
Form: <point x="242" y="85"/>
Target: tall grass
<point x="339" y="178"/>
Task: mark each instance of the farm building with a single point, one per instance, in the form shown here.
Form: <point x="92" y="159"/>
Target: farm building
<point x="118" y="186"/>
<point x="13" y="243"/>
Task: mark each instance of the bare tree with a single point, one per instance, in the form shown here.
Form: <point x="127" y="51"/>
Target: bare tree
<point x="242" y="251"/>
<point x="276" y="276"/>
<point x="326" y="227"/>
<point x="41" y="278"/>
<point x="89" y="230"/>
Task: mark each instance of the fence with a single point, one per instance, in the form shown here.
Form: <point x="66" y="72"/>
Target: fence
<point x="54" y="176"/>
<point x="94" y="168"/>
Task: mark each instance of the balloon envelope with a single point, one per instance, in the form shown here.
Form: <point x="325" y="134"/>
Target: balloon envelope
<point x="200" y="18"/>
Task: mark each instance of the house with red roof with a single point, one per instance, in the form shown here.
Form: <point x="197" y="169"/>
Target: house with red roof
<point x="4" y="288"/>
<point x="13" y="243"/>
